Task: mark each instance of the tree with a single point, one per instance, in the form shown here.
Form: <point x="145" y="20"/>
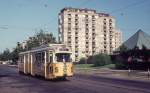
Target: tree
<point x="15" y="54"/>
<point x="82" y="61"/>
<point x="40" y="38"/>
<point x="6" y="55"/>
<point x="123" y="48"/>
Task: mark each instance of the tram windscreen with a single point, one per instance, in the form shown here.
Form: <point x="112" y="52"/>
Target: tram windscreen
<point x="63" y="57"/>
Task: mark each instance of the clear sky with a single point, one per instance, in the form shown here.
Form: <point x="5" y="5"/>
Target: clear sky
<point x="20" y="19"/>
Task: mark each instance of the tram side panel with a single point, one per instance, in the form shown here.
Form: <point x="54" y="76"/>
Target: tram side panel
<point x="29" y="64"/>
<point x="32" y="64"/>
<point x="25" y="64"/>
<point x="69" y="68"/>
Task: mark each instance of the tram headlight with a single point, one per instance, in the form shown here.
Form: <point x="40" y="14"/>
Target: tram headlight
<point x="56" y="69"/>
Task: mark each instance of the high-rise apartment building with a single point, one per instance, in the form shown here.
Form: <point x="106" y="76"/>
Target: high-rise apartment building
<point x="87" y="32"/>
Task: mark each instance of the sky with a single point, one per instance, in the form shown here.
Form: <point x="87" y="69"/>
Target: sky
<point x="20" y="19"/>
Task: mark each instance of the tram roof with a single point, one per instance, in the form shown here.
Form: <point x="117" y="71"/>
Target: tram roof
<point x="46" y="47"/>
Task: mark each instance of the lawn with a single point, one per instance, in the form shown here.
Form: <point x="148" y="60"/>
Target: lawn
<point x="91" y="66"/>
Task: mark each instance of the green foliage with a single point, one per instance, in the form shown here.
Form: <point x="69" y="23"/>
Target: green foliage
<point x="82" y="61"/>
<point x="123" y="48"/>
<point x="119" y="63"/>
<point x="101" y="59"/>
<point x="38" y="39"/>
<point x="5" y="55"/>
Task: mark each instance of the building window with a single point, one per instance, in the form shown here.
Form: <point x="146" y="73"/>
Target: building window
<point x="86" y="47"/>
<point x="76" y="33"/>
<point x="76" y="15"/>
<point x="93" y="34"/>
<point x="76" y="20"/>
<point x="86" y="20"/>
<point x="76" y="28"/>
<point x="69" y="19"/>
<point x="110" y="20"/>
<point x="110" y="28"/>
<point x="69" y="14"/>
<point x="86" y="16"/>
<point x="76" y="46"/>
<point x="76" y="37"/>
<point x="110" y="24"/>
<point x="93" y="18"/>
<point x="93" y="43"/>
<point x="104" y="23"/>
<point x="76" y="23"/>
<point x="87" y="25"/>
<point x="87" y="29"/>
<point x="93" y="51"/>
<point x="104" y="27"/>
<point x="69" y="42"/>
<point x="69" y="28"/>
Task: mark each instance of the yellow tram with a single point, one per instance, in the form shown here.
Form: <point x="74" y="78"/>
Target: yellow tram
<point x="51" y="61"/>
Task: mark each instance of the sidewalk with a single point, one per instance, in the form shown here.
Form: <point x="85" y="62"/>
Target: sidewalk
<point x="120" y="74"/>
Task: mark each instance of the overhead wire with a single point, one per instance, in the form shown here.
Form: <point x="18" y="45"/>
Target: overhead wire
<point x="128" y="6"/>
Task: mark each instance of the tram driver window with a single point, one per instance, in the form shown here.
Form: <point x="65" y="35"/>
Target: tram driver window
<point x="63" y="57"/>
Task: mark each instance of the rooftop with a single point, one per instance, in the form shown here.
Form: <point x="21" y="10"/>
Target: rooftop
<point x="85" y="10"/>
<point x="140" y="39"/>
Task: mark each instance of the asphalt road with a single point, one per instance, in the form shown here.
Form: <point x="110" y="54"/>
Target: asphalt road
<point x="12" y="82"/>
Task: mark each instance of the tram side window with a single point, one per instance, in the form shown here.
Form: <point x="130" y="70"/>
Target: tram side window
<point x="43" y="57"/>
<point x="50" y="57"/>
<point x="21" y="59"/>
<point x="40" y="57"/>
<point x="26" y="57"/>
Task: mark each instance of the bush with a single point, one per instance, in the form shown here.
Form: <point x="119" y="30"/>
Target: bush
<point x="101" y="59"/>
<point x="120" y="64"/>
<point x="82" y="61"/>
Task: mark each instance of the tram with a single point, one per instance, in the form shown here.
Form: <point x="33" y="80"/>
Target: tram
<point x="50" y="61"/>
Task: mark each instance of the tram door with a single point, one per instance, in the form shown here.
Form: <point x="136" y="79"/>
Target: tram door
<point x="50" y="65"/>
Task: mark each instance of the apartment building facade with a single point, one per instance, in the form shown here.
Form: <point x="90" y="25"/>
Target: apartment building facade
<point x="87" y="32"/>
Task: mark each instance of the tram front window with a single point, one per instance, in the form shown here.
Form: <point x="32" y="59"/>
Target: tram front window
<point x="63" y="57"/>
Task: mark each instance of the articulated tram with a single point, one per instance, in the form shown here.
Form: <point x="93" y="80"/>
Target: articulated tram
<point x="51" y="61"/>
